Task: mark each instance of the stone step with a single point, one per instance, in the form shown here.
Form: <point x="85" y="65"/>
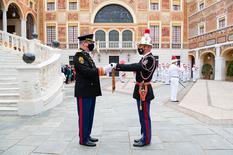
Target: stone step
<point x="9" y="84"/>
<point x="9" y="90"/>
<point x="9" y="96"/>
<point x="4" y="111"/>
<point x="7" y="79"/>
<point x="8" y="75"/>
<point x="8" y="103"/>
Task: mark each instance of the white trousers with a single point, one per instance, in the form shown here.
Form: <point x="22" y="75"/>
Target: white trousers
<point x="174" y="88"/>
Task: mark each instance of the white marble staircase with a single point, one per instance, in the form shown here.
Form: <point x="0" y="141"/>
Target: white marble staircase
<point x="28" y="89"/>
<point x="9" y="88"/>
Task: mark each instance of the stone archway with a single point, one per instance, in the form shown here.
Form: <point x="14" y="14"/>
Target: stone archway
<point x="191" y="62"/>
<point x="14" y="16"/>
<point x="30" y="26"/>
<point x="227" y="56"/>
<point x="208" y="58"/>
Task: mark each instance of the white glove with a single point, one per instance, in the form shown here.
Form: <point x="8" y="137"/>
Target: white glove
<point x="108" y="68"/>
<point x="113" y="65"/>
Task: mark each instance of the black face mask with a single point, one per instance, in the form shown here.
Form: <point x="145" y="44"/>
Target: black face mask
<point x="91" y="46"/>
<point x="140" y="51"/>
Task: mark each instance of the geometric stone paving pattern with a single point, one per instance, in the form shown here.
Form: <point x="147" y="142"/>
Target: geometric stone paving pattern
<point x="116" y="125"/>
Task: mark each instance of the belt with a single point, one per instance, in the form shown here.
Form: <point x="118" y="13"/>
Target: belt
<point x="140" y="83"/>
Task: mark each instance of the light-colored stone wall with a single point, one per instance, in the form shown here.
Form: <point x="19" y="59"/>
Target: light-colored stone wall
<point x="213" y="10"/>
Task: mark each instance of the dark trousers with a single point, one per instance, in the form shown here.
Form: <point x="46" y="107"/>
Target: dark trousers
<point x="86" y="109"/>
<point x="145" y="121"/>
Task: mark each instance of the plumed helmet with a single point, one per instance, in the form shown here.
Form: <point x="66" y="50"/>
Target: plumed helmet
<point x="174" y="59"/>
<point x="146" y="39"/>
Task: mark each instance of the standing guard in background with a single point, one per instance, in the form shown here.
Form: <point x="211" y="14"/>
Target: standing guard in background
<point x="143" y="91"/>
<point x="174" y="72"/>
<point x="167" y="78"/>
<point x="87" y="87"/>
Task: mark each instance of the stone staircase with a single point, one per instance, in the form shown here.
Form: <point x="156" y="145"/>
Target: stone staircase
<point x="9" y="88"/>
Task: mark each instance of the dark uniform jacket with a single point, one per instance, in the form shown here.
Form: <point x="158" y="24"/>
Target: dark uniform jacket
<point x="144" y="72"/>
<point x="87" y="76"/>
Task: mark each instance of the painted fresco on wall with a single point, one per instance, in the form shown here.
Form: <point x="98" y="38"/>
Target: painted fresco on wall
<point x="154" y="17"/>
<point x="165" y="4"/>
<point x="61" y="4"/>
<point x="84" y="4"/>
<point x="50" y="16"/>
<point x="142" y="5"/>
<point x="62" y="33"/>
<point x="73" y="16"/>
<point x="165" y="31"/>
<point x="84" y="31"/>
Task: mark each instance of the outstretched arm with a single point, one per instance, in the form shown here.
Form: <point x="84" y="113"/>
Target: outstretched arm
<point x="129" y="67"/>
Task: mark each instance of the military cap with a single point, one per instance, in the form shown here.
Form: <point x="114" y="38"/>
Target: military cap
<point x="88" y="37"/>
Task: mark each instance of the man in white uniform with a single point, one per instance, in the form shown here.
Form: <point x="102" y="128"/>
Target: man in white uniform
<point x="167" y="78"/>
<point x="163" y="72"/>
<point x="174" y="72"/>
<point x="195" y="73"/>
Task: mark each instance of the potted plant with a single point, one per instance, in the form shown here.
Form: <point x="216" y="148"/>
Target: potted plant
<point x="230" y="71"/>
<point x="207" y="70"/>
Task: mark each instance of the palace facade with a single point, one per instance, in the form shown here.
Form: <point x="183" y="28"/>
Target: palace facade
<point x="196" y="31"/>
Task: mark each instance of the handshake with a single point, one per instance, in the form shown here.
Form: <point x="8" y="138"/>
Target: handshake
<point x="109" y="67"/>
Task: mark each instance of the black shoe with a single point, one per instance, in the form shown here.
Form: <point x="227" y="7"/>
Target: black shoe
<point x="139" y="144"/>
<point x="89" y="144"/>
<point x="175" y="101"/>
<point x="137" y="140"/>
<point x="93" y="139"/>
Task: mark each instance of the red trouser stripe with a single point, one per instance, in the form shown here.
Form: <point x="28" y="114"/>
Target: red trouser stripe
<point x="80" y="102"/>
<point x="146" y="122"/>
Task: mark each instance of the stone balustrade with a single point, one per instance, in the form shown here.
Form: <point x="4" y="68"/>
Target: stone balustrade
<point x="41" y="82"/>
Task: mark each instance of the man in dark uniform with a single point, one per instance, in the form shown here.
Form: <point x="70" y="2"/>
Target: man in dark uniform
<point x="87" y="87"/>
<point x="143" y="91"/>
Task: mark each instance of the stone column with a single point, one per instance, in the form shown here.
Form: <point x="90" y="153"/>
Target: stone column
<point x="23" y="28"/>
<point x="198" y="63"/>
<point x="219" y="65"/>
<point x="4" y="16"/>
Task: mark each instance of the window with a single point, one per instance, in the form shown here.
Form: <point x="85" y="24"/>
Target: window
<point x="72" y="37"/>
<point x="100" y="36"/>
<point x="201" y="6"/>
<point x="154" y="6"/>
<point x="113" y="39"/>
<point x="113" y="13"/>
<point x="72" y="5"/>
<point x="31" y="5"/>
<point x="155" y="35"/>
<point x="50" y="6"/>
<point x="127" y="39"/>
<point x="176" y="5"/>
<point x="221" y="22"/>
<point x="176" y="37"/>
<point x="201" y="29"/>
<point x="51" y="34"/>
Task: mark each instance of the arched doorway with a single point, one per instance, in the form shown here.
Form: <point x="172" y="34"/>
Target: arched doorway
<point x="208" y="58"/>
<point x="30" y="26"/>
<point x="228" y="58"/>
<point x="191" y="62"/>
<point x="14" y="19"/>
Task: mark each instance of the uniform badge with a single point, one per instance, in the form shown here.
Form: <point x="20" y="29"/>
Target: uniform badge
<point x="81" y="60"/>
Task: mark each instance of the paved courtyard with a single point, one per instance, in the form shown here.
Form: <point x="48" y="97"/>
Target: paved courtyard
<point x="116" y="125"/>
